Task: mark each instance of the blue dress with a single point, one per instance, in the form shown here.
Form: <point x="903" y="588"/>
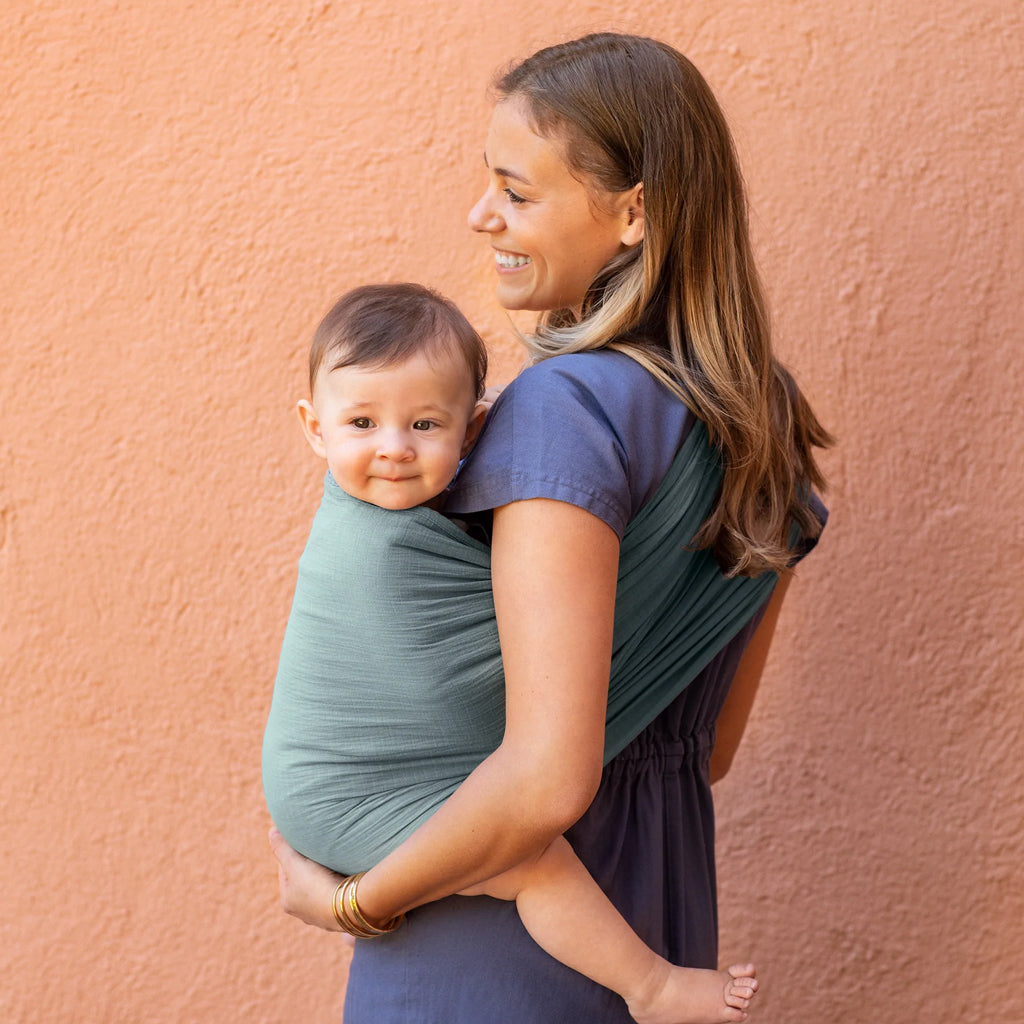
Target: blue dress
<point x="598" y="431"/>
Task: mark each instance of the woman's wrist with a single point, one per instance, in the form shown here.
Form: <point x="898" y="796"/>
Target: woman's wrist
<point x="371" y="904"/>
<point x="351" y="917"/>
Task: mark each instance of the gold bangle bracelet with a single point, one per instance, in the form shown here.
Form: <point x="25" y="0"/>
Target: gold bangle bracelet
<point x="355" y="925"/>
<point x="344" y="914"/>
<point x="334" y="906"/>
<point x="352" y="905"/>
<point x="345" y="907"/>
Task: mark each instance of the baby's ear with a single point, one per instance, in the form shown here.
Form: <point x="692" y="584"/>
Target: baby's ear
<point x="311" y="426"/>
<point x="475" y="425"/>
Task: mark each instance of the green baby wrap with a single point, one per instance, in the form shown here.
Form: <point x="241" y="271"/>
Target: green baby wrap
<point x="390" y="691"/>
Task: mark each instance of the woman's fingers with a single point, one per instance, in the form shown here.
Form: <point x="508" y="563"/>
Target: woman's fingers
<point x="280" y="848"/>
<point x="491" y="394"/>
<point x="307" y="888"/>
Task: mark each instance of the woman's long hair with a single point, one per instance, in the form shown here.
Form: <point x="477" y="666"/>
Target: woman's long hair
<point x="687" y="303"/>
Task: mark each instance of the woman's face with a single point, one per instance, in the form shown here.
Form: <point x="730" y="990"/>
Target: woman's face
<point x="551" y="233"/>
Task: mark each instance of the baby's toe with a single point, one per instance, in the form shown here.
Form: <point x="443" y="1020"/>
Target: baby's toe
<point x="737" y="1001"/>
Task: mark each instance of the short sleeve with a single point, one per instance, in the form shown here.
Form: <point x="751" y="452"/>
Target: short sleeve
<point x="592" y="429"/>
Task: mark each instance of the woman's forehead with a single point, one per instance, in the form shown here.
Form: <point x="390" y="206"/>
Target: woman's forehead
<point x="516" y="150"/>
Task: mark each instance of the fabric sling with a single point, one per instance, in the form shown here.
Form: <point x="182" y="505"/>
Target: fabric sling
<point x="390" y="690"/>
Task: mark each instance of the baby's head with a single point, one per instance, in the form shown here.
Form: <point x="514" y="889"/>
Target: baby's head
<point x="396" y="374"/>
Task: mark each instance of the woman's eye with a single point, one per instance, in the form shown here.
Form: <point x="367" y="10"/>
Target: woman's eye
<point x="514" y="197"/>
<point x="423" y="425"/>
<point x="361" y="423"/>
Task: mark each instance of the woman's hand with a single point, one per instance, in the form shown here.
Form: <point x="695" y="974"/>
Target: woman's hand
<point x="491" y="395"/>
<point x="307" y="888"/>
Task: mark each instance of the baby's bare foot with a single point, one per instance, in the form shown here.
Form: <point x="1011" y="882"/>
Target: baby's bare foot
<point x="684" y="995"/>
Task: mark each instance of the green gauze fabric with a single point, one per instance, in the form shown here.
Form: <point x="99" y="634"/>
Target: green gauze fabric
<point x="390" y="690"/>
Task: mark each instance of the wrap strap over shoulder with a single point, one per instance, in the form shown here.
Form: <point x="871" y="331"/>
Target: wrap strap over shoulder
<point x="674" y="609"/>
<point x="390" y="688"/>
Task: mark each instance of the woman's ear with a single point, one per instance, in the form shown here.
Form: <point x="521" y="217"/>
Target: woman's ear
<point x="475" y="425"/>
<point x="633" y="202"/>
<point x="311" y="427"/>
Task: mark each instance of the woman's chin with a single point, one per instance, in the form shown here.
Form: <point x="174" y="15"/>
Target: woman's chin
<point x="517" y="303"/>
<point x="510" y="300"/>
<point x="527" y="301"/>
<point x="514" y="293"/>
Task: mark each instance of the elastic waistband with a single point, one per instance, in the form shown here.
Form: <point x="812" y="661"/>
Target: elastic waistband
<point x="658" y="750"/>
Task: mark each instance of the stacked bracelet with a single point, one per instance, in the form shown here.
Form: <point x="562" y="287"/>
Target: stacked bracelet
<point x="348" y="915"/>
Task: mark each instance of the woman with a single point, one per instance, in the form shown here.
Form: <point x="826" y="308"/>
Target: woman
<point x="615" y="207"/>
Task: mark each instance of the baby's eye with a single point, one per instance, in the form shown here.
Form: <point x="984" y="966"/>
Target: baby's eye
<point x="423" y="425"/>
<point x="514" y="197"/>
<point x="361" y="423"/>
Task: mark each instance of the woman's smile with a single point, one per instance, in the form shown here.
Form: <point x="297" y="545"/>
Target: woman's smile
<point x="510" y="260"/>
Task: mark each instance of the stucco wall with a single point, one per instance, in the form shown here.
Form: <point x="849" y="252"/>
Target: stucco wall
<point x="186" y="188"/>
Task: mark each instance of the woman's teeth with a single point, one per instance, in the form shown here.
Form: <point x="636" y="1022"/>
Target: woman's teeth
<point x="507" y="259"/>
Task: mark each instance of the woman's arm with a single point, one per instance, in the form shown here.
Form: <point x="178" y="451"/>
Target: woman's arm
<point x="732" y="721"/>
<point x="554" y="570"/>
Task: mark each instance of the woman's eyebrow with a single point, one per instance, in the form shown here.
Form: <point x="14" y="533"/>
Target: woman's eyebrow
<point x="505" y="173"/>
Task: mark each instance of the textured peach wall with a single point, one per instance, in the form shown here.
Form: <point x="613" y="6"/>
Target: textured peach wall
<point x="185" y="189"/>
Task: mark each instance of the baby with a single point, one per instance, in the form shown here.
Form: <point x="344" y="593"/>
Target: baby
<point x="396" y="381"/>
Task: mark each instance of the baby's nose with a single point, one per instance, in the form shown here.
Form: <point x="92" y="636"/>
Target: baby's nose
<point x="394" y="446"/>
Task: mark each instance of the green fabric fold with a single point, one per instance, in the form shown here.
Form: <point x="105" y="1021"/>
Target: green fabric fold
<point x="390" y="691"/>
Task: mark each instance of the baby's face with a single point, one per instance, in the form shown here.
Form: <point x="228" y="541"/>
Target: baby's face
<point x="393" y="435"/>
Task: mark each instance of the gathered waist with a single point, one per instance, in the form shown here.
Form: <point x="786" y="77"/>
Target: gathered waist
<point x="653" y="749"/>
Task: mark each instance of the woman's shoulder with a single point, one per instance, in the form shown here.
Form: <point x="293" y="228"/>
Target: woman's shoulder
<point x="607" y="373"/>
<point x="604" y="390"/>
<point x="595" y="429"/>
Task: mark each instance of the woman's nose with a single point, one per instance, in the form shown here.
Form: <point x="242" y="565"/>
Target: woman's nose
<point x="483" y="216"/>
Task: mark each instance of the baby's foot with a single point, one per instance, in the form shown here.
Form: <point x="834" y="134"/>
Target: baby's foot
<point x="684" y="995"/>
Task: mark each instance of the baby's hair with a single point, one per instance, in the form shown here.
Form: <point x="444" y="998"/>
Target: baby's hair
<point x="379" y="325"/>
